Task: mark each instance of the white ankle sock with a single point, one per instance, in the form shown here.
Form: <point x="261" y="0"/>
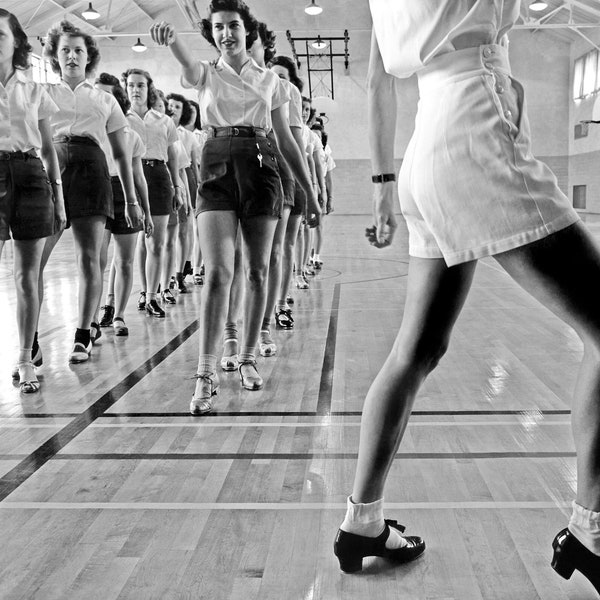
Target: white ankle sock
<point x="585" y="526"/>
<point x="367" y="520"/>
<point x="207" y="364"/>
<point x="24" y="355"/>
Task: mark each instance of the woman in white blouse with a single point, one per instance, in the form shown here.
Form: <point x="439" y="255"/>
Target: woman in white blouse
<point x="31" y="207"/>
<point x="86" y="115"/>
<point x="239" y="102"/>
<point x="469" y="188"/>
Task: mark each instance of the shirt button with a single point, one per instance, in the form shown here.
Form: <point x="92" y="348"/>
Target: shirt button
<point x="489" y="66"/>
<point x="487" y="52"/>
<point x="499" y="89"/>
<point x="508" y="114"/>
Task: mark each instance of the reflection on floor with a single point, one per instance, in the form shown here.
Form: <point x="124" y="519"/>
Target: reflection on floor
<point x="109" y="489"/>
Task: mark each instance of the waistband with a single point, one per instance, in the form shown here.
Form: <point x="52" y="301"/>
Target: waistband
<point x="152" y="162"/>
<point x="74" y="139"/>
<point x="241" y="131"/>
<point x="462" y="64"/>
<point x="18" y="155"/>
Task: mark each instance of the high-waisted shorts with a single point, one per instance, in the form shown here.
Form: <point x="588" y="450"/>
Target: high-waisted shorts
<point x="118" y="225"/>
<point x="288" y="183"/>
<point x="160" y="189"/>
<point x="300" y="201"/>
<point x="192" y="184"/>
<point x="469" y="185"/>
<point x="26" y="203"/>
<point x="86" y="180"/>
<point x="233" y="178"/>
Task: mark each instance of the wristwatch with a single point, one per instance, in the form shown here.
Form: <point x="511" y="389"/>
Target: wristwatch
<point x="383" y="177"/>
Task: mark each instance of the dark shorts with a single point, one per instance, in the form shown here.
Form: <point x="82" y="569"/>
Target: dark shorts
<point x="160" y="190"/>
<point x="299" y="207"/>
<point x="285" y="172"/>
<point x="26" y="201"/>
<point x="86" y="180"/>
<point x="118" y="225"/>
<point x="193" y="184"/>
<point x="232" y="177"/>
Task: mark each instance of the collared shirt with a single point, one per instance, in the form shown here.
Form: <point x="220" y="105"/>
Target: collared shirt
<point x="329" y="162"/>
<point x="308" y="140"/>
<point x="189" y="140"/>
<point x="295" y="103"/>
<point x="137" y="124"/>
<point x="227" y="98"/>
<point x="160" y="134"/>
<point x="85" y="111"/>
<point x="410" y="33"/>
<point x="182" y="157"/>
<point x="22" y="104"/>
<point x="135" y="146"/>
<point x="318" y="146"/>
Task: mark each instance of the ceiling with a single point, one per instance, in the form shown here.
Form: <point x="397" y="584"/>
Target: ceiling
<point x="568" y="19"/>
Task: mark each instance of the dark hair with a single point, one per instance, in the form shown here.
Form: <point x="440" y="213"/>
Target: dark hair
<point x="68" y="29"/>
<point x="267" y="37"/>
<point x="324" y="138"/>
<point x="197" y="121"/>
<point x="290" y="65"/>
<point x="250" y="23"/>
<point x="186" y="112"/>
<point x="149" y="81"/>
<point x="117" y="90"/>
<point x="305" y="99"/>
<point x="317" y="127"/>
<point x="23" y="48"/>
<point x="160" y="95"/>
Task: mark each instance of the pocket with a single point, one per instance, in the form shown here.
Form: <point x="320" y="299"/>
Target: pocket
<point x="212" y="170"/>
<point x="508" y="96"/>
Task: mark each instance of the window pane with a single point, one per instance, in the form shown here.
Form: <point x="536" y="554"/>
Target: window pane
<point x="589" y="72"/>
<point x="578" y="78"/>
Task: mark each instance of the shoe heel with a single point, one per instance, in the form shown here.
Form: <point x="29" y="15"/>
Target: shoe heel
<point x="562" y="566"/>
<point x="350" y="565"/>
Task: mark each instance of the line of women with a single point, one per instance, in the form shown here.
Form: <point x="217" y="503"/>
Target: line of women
<point x="127" y="164"/>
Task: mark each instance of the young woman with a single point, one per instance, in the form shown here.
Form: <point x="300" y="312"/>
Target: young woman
<point x="263" y="51"/>
<point x="239" y="179"/>
<point x="505" y="204"/>
<point x="120" y="279"/>
<point x="161" y="173"/>
<point x="31" y="199"/>
<point x="285" y="68"/>
<point x="85" y="118"/>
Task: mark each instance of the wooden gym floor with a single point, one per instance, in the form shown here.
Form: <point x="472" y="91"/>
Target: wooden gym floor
<point x="109" y="489"/>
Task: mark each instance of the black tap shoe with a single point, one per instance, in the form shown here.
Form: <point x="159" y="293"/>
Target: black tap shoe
<point x="571" y="554"/>
<point x="350" y="548"/>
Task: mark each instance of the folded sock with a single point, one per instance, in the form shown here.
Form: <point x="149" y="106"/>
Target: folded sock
<point x="367" y="520"/>
<point x="207" y="364"/>
<point x="151" y="296"/>
<point x="24" y="355"/>
<point x="246" y="354"/>
<point x="266" y="324"/>
<point x="585" y="526"/>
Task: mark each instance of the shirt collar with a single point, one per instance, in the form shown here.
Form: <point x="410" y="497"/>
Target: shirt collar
<point x="249" y="64"/>
<point x="84" y="83"/>
<point x="20" y="76"/>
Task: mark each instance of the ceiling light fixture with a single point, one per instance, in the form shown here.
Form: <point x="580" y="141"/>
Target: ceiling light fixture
<point x="313" y="8"/>
<point x="319" y="44"/>
<point x="90" y="13"/>
<point x="537" y="6"/>
<point x="139" y="46"/>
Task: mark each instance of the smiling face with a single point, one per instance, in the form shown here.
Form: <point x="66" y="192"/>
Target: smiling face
<point x="72" y="57"/>
<point x="229" y="33"/>
<point x="7" y="43"/>
<point x="137" y="90"/>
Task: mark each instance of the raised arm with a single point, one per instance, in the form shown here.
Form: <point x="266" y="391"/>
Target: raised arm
<point x="381" y="111"/>
<point x="164" y="34"/>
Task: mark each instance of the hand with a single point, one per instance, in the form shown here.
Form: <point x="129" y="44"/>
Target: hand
<point x="60" y="216"/>
<point x="148" y="225"/>
<point x="313" y="210"/>
<point x="133" y="215"/>
<point x="163" y="33"/>
<point x="178" y="199"/>
<point x="385" y="224"/>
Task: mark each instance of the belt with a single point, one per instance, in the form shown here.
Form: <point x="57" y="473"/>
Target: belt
<point x="18" y="155"/>
<point x="74" y="139"/>
<point x="152" y="162"/>
<point x="241" y="131"/>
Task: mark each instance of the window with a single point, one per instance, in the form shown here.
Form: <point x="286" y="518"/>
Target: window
<point x="586" y="78"/>
<point x="41" y="70"/>
<point x="579" y="196"/>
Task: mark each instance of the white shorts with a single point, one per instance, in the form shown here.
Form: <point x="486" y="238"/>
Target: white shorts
<point x="469" y="186"/>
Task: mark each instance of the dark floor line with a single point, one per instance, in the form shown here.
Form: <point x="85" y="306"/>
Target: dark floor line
<point x="39" y="457"/>
<point x="326" y="383"/>
<point x="302" y="455"/>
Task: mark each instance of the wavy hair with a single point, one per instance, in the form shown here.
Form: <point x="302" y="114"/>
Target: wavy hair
<point x="23" y="48"/>
<point x="287" y="63"/>
<point x="238" y="6"/>
<point x="267" y="37"/>
<point x="151" y="98"/>
<point x="197" y="121"/>
<point x="186" y="112"/>
<point x="70" y="30"/>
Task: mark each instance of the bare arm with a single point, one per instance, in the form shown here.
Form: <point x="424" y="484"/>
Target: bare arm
<point x="381" y="111"/>
<point x="174" y="172"/>
<point x="141" y="187"/>
<point x="50" y="160"/>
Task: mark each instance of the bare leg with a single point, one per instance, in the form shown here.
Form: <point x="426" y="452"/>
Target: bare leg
<point x="103" y="263"/>
<point x="123" y="262"/>
<point x="299" y="256"/>
<point x="563" y="272"/>
<point x="197" y="250"/>
<point x="88" y="234"/>
<point x="289" y="244"/>
<point x="184" y="242"/>
<point x="229" y="361"/>
<point x="168" y="257"/>
<point x="435" y="296"/>
<point x="142" y="259"/>
<point x="155" y="245"/>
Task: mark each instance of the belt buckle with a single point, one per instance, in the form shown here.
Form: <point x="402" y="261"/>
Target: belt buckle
<point x="235" y="131"/>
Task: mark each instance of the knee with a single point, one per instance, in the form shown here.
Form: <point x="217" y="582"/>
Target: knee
<point x="256" y="276"/>
<point x="218" y="279"/>
<point x="88" y="261"/>
<point x="26" y="282"/>
<point x="276" y="256"/>
<point x="124" y="265"/>
<point x="420" y="359"/>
